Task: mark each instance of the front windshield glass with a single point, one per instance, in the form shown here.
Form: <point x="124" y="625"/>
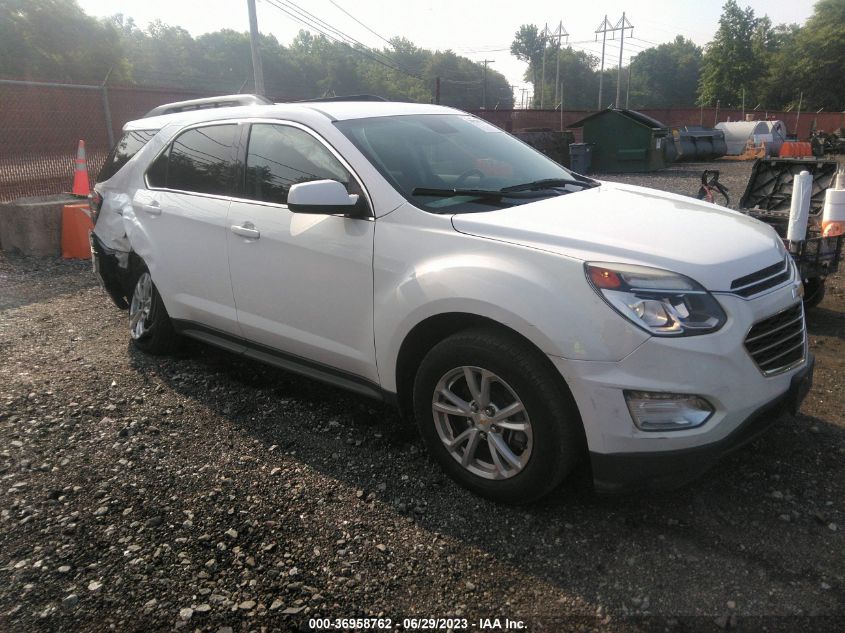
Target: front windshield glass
<point x="453" y="163"/>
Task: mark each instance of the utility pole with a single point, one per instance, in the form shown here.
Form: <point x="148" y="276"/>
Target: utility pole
<point x="604" y="28"/>
<point x="543" y="37"/>
<point x="522" y="102"/>
<point x="437" y="90"/>
<point x="513" y="88"/>
<point x="621" y="25"/>
<point x="257" y="70"/>
<point x="798" y="114"/>
<point x="484" y="83"/>
<point x="560" y="34"/>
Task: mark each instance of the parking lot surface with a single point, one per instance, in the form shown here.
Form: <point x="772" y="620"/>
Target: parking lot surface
<point x="203" y="491"/>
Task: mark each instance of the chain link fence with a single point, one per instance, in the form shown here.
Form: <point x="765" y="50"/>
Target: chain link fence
<point x="43" y="122"/>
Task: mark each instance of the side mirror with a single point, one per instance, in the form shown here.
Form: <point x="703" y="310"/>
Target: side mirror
<point x="327" y="197"/>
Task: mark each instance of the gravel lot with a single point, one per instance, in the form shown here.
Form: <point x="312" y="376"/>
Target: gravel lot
<point x="203" y="492"/>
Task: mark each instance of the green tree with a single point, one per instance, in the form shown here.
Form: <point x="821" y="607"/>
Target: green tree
<point x="55" y="39"/>
<point x="578" y="76"/>
<point x="778" y="84"/>
<point x="578" y="79"/>
<point x="730" y="63"/>
<point x="666" y="75"/>
<point x="528" y="46"/>
<point x="811" y="60"/>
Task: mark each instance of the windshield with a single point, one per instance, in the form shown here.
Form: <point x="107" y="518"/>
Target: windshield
<point x="454" y="163"/>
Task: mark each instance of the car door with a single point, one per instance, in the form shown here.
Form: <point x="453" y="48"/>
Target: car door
<point x="303" y="283"/>
<point x="181" y="226"/>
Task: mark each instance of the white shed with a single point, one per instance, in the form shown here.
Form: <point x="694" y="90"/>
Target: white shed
<point x="738" y="133"/>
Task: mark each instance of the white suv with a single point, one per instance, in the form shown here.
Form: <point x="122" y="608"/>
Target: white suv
<point x="525" y="315"/>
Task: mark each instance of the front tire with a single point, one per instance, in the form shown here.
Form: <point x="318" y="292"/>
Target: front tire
<point x="496" y="417"/>
<point x="150" y="327"/>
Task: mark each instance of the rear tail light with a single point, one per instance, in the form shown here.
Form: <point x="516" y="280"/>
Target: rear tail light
<point x="95" y="202"/>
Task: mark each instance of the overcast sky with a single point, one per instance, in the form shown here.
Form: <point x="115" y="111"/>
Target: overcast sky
<point x="477" y="30"/>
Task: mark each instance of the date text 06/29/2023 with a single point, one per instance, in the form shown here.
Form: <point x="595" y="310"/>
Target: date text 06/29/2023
<point x="417" y="624"/>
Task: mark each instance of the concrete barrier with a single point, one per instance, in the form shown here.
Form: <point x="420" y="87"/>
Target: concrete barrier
<point x="33" y="226"/>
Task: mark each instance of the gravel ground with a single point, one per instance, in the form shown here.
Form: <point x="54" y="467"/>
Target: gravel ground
<point x="203" y="492"/>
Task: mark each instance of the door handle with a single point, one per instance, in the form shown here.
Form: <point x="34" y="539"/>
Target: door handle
<point x="152" y="209"/>
<point x="247" y="229"/>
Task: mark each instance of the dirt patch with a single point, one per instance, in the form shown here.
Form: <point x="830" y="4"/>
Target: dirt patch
<point x="203" y="491"/>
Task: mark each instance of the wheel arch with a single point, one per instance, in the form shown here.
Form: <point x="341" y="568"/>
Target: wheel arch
<point x="434" y="329"/>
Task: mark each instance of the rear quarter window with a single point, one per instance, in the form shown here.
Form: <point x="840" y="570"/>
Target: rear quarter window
<point x="123" y="151"/>
<point x="199" y="160"/>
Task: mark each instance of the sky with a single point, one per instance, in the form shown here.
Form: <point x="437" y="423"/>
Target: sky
<point x="477" y="30"/>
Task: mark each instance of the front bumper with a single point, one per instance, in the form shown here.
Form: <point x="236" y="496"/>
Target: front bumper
<point x="716" y="367"/>
<point x="619" y="472"/>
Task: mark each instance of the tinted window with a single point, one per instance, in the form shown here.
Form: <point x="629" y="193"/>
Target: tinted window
<point x="201" y="160"/>
<point x="157" y="173"/>
<point x="126" y="148"/>
<point x="280" y="156"/>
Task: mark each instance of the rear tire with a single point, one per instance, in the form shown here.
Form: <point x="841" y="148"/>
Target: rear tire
<point x="496" y="417"/>
<point x="150" y="327"/>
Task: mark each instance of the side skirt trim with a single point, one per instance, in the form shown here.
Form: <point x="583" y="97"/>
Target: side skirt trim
<point x="282" y="360"/>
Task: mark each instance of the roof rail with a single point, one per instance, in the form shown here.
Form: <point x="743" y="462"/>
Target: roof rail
<point x="225" y="101"/>
<point x="345" y="98"/>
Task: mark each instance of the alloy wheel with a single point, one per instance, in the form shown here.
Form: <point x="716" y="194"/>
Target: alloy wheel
<point x="141" y="306"/>
<point x="482" y="422"/>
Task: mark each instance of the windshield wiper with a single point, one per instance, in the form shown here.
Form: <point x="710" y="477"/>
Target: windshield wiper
<point x="494" y="194"/>
<point x="478" y="193"/>
<point x="550" y="183"/>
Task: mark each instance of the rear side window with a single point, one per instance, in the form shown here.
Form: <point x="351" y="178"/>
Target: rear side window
<point x="126" y="148"/>
<point x="280" y="156"/>
<point x="200" y="160"/>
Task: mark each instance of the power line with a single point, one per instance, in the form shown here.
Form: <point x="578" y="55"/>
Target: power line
<point x="639" y="39"/>
<point x="388" y="60"/>
<point x="314" y="23"/>
<point x="310" y="21"/>
<point x="362" y="24"/>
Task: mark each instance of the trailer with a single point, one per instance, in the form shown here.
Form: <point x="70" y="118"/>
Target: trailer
<point x="768" y="197"/>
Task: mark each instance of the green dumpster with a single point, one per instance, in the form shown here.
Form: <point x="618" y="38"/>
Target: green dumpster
<point x="627" y="141"/>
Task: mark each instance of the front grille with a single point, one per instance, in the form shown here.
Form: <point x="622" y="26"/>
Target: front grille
<point x="764" y="279"/>
<point x="777" y="343"/>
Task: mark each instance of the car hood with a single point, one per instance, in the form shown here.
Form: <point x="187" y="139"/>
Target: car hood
<point x="624" y="223"/>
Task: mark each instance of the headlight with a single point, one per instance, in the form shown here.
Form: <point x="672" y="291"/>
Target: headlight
<point x="659" y="301"/>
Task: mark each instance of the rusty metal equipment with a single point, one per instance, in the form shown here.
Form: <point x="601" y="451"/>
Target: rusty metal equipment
<point x="767" y="197"/>
<point x="694" y="143"/>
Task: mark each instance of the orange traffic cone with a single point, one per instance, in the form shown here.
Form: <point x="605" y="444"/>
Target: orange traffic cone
<point x="80" y="174"/>
<point x="76" y="224"/>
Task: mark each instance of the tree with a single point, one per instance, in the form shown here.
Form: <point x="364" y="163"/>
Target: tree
<point x="730" y="63"/>
<point x="528" y="46"/>
<point x="777" y="87"/>
<point x="55" y="39"/>
<point x="666" y="75"/>
<point x="811" y="59"/>
<point x="578" y="79"/>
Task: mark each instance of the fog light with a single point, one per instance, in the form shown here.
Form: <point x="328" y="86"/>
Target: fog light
<point x="656" y="411"/>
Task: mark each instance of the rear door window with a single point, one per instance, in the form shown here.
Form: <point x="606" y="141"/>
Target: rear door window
<point x="200" y="160"/>
<point x="123" y="151"/>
